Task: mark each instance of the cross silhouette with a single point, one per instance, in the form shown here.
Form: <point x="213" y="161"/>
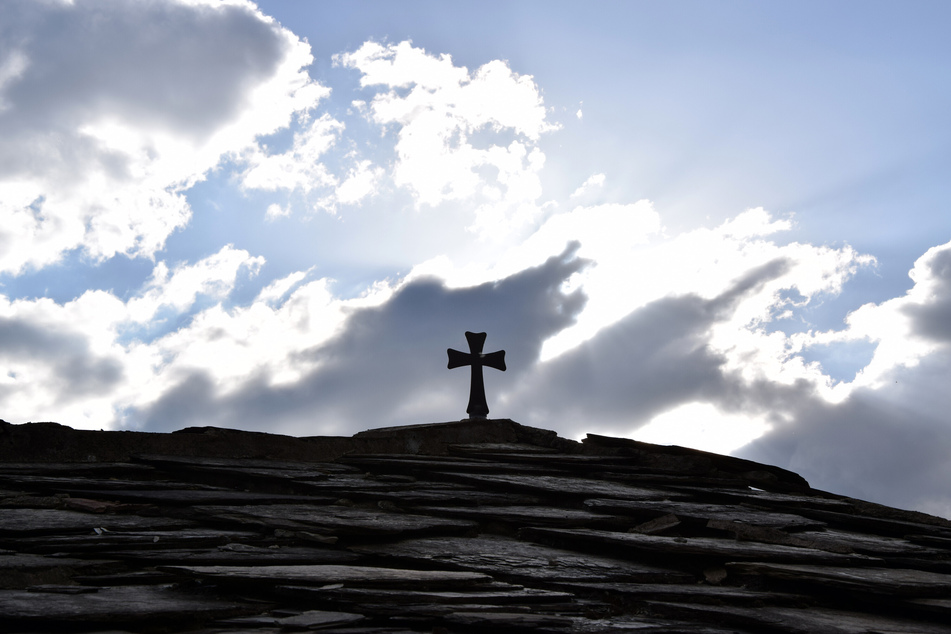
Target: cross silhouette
<point x="478" y="408"/>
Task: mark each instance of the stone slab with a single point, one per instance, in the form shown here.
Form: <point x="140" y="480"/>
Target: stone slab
<point x="362" y="576"/>
<point x="127" y="604"/>
<point x="705" y="512"/>
<point x="522" y="560"/>
<point x="564" y="486"/>
<point x="103" y="541"/>
<point x="190" y="497"/>
<point x="527" y="515"/>
<point x="335" y="519"/>
<point x="890" y="581"/>
<point x="799" y="621"/>
<point x="35" y="521"/>
<point x="722" y="549"/>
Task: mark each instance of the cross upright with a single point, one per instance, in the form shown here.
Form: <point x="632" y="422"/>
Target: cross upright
<point x="478" y="408"/>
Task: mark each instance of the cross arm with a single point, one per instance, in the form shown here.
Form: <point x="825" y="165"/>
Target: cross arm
<point x="458" y="359"/>
<point x="495" y="360"/>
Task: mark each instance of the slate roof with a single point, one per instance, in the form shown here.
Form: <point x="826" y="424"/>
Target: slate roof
<point x="471" y="526"/>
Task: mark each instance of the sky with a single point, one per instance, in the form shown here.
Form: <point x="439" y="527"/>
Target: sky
<point x="721" y="225"/>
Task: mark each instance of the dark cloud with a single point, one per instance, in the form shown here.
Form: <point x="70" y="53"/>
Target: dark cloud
<point x="652" y="360"/>
<point x="108" y="109"/>
<point x="891" y="445"/>
<point x="76" y="370"/>
<point x="933" y="319"/>
<point x="166" y="65"/>
<point x="388" y="365"/>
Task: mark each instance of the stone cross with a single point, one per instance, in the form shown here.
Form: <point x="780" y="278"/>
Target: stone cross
<point x="478" y="408"/>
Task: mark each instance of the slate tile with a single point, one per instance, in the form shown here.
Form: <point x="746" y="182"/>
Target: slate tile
<point x="527" y="515"/>
<point x="500" y="556"/>
<point x="510" y="621"/>
<point x="430" y="464"/>
<point x="38" y="521"/>
<point x="562" y="485"/>
<point x="190" y="497"/>
<point x="220" y="557"/>
<point x="336" y="519"/>
<point x="20" y="570"/>
<point x="486" y="594"/>
<point x="800" y="621"/>
<point x="705" y="512"/>
<point x="887" y="581"/>
<point x="706" y="547"/>
<point x="128" y="604"/>
<point x="692" y="592"/>
<point x="317" y="619"/>
<point x="497" y="449"/>
<point x="360" y="576"/>
<point x="104" y="542"/>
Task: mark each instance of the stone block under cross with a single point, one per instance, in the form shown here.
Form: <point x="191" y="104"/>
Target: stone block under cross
<point x="478" y="408"/>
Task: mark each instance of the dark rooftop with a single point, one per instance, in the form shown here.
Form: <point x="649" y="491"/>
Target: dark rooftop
<point x="453" y="527"/>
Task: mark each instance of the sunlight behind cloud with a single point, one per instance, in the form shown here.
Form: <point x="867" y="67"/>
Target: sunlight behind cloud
<point x="701" y="426"/>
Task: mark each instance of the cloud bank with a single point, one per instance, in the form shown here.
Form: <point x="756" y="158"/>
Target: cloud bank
<point x="111" y="111"/>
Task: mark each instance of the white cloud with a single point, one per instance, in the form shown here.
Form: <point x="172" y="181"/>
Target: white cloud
<point x="461" y="135"/>
<point x="300" y="167"/>
<point x="213" y="277"/>
<point x="275" y="211"/>
<point x="360" y="183"/>
<point x="596" y="180"/>
<point x="111" y="110"/>
<point x="83" y="361"/>
<point x="908" y="328"/>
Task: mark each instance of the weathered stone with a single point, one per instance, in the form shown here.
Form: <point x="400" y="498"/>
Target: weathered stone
<point x="723" y="549"/>
<point x="122" y="605"/>
<point x="694" y="592"/>
<point x="692" y="461"/>
<point x="443" y="528"/>
<point x="768" y="535"/>
<point x="657" y="525"/>
<point x="334" y="519"/>
<point x="484" y="594"/>
<point x="316" y="619"/>
<point x="20" y="570"/>
<point x="510" y="621"/>
<point x="704" y="512"/>
<point x="497" y="449"/>
<point x="389" y="463"/>
<point x="328" y="574"/>
<point x="37" y="521"/>
<point x="219" y="557"/>
<point x="798" y="621"/>
<point x="520" y="560"/>
<point x="202" y="496"/>
<point x="112" y="541"/>
<point x="565" y="486"/>
<point x="526" y="515"/>
<point x="891" y="581"/>
<point x="769" y="499"/>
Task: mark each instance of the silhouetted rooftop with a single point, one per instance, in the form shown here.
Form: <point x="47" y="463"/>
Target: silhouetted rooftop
<point x="452" y="527"/>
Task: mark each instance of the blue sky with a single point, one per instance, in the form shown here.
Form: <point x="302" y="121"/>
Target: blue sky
<point x="716" y="224"/>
